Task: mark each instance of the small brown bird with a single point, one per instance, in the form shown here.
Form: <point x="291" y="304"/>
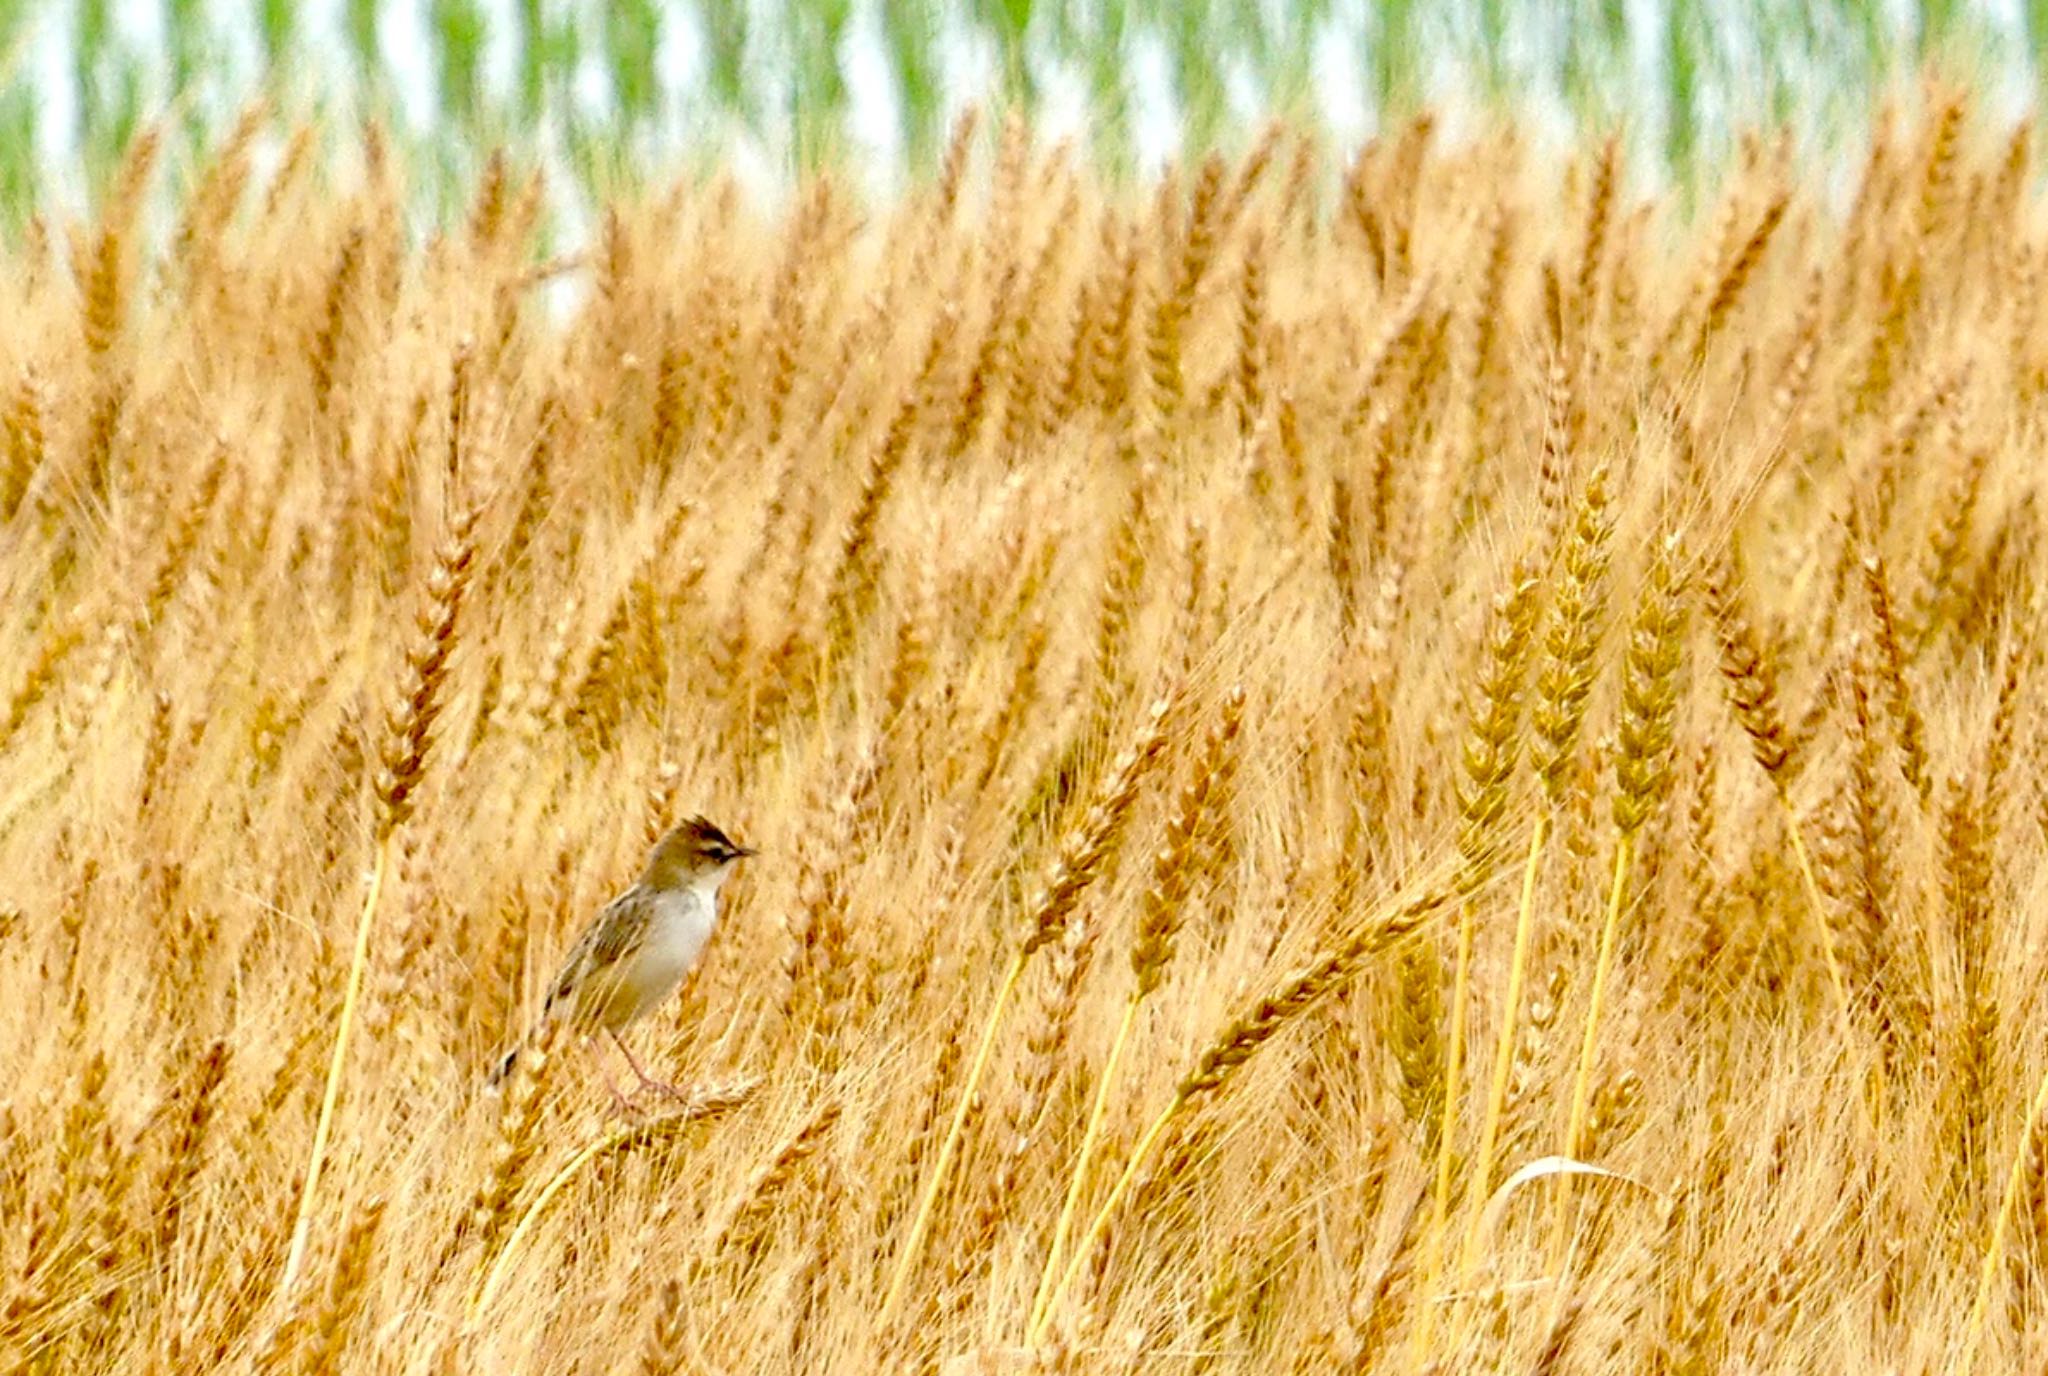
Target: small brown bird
<point x="640" y="945"/>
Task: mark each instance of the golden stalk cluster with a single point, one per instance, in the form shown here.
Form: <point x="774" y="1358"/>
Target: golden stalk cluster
<point x="1438" y="771"/>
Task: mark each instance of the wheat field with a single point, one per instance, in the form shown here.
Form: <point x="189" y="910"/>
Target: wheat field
<point x="1414" y="763"/>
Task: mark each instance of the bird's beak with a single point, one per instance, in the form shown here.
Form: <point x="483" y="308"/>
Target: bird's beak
<point x="742" y="852"/>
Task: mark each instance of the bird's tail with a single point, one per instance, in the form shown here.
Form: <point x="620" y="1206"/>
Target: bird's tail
<point x="503" y="1069"/>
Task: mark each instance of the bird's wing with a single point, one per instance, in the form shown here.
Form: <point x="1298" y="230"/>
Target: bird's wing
<point x="615" y="933"/>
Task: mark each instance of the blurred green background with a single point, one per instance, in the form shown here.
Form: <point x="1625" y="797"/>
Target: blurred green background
<point x="604" y="92"/>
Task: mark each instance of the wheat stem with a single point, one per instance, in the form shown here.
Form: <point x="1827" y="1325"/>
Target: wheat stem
<point x="1582" y="1079"/>
<point x="1994" y="1251"/>
<point x="1820" y="921"/>
<point x="1872" y="1101"/>
<point x="1099" y="1227"/>
<point x="1447" y="1123"/>
<point x="302" y="1227"/>
<point x="1504" y="1049"/>
<point x="709" y="1102"/>
<point x="1089" y="1136"/>
<point x="921" y="1222"/>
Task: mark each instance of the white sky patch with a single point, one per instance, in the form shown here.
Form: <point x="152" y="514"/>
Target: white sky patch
<point x="1337" y="71"/>
<point x="874" y="116"/>
<point x="682" y="55"/>
<point x="1064" y="111"/>
<point x="408" y="53"/>
<point x="49" y="42"/>
<point x="1154" y="104"/>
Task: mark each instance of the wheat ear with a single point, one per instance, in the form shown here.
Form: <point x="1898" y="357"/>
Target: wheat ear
<point x="1559" y="716"/>
<point x="1164" y="904"/>
<point x="1752" y="689"/>
<point x="1235" y="1045"/>
<point x="1492" y="744"/>
<point x="1081" y="859"/>
<point x="410" y="736"/>
<point x="1643" y="771"/>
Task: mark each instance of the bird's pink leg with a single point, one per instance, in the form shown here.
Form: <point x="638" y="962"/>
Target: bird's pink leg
<point x="619" y="1099"/>
<point x="647" y="1081"/>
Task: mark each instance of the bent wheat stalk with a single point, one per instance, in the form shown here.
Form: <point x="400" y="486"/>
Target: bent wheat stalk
<point x="1165" y="902"/>
<point x="709" y="1102"/>
<point x="1236" y="1044"/>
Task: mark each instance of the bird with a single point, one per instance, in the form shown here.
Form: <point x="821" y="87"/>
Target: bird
<point x="641" y="944"/>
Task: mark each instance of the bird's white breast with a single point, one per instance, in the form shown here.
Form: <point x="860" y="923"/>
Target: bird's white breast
<point x="682" y="924"/>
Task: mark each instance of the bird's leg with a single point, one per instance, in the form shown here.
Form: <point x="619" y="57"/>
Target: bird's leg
<point x="646" y="1081"/>
<point x="619" y="1100"/>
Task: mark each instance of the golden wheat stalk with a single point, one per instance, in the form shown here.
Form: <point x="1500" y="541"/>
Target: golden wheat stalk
<point x="1642" y="771"/>
<point x="1163" y="911"/>
<point x="1994" y="1248"/>
<point x="1080" y="862"/>
<point x="705" y="1102"/>
<point x="1504" y="1049"/>
<point x="1563" y="686"/>
<point x="1238" y="1042"/>
<point x="1752" y="689"/>
<point x="410" y="737"/>
<point x="1492" y="745"/>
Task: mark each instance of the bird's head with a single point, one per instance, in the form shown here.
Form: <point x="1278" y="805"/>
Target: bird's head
<point x="691" y="853"/>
